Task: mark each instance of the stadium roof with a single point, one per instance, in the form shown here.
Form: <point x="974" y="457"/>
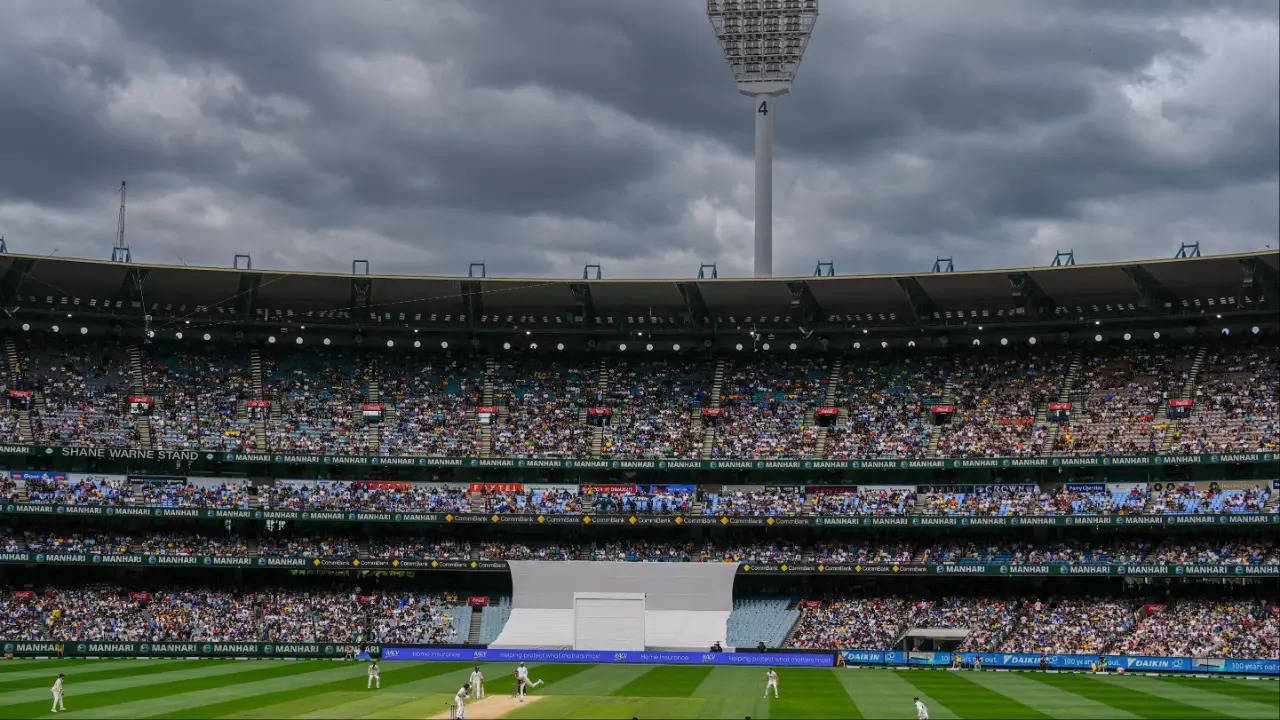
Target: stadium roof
<point x="1169" y="290"/>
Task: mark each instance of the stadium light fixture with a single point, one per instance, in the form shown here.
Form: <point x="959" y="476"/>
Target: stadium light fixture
<point x="979" y="328"/>
<point x="976" y="342"/>
<point x="26" y="327"/>
<point x="151" y="334"/>
<point x="857" y="346"/>
<point x="738" y="346"/>
<point x="1155" y="335"/>
<point x="417" y="343"/>
<point x="648" y="346"/>
<point x="911" y="343"/>
<point x="1219" y="316"/>
<point x="55" y="328"/>
<point x="1004" y="341"/>
<point x="506" y="346"/>
<point x="298" y="340"/>
<point x="763" y="42"/>
<point x="865" y="331"/>
<point x="884" y="344"/>
<point x="444" y="344"/>
<point x="533" y="346"/>
<point x="1097" y="338"/>
<point x="1255" y="329"/>
<point x="391" y="343"/>
<point x="326" y="341"/>
<point x="84" y="330"/>
<point x="1225" y="331"/>
<point x="1128" y="337"/>
<point x="1097" y="322"/>
<point x="792" y="346"/>
<point x="1031" y="340"/>
<point x="622" y="347"/>
<point x="206" y="337"/>
<point x="560" y="346"/>
<point x="764" y="346"/>
<point x="271" y="339"/>
<point x="178" y="335"/>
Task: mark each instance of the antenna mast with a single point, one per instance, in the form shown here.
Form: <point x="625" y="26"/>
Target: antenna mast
<point x="120" y="253"/>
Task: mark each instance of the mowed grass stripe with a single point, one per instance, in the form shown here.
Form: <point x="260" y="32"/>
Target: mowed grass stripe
<point x="596" y="680"/>
<point x="86" y="675"/>
<point x="811" y="693"/>
<point x="881" y="693"/>
<point x="584" y="707"/>
<point x="285" y="700"/>
<point x="1053" y="701"/>
<point x="1128" y="699"/>
<point x="1260" y="691"/>
<point x="102" y="692"/>
<point x="678" y="681"/>
<point x="40" y="668"/>
<point x="551" y="675"/>
<point x="967" y="698"/>
<point x="1201" y="699"/>
<point x="735" y="692"/>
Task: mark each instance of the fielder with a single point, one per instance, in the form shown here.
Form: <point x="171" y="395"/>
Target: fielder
<point x="922" y="712"/>
<point x="477" y="683"/>
<point x="523" y="682"/>
<point x="460" y="702"/>
<point x="57" y="693"/>
<point x="374" y="677"/>
<point x="771" y="681"/>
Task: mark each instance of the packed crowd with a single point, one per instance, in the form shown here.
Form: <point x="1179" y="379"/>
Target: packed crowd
<point x="656" y="406"/>
<point x="314" y="402"/>
<point x="108" y="613"/>
<point x="734" y="501"/>
<point x="1200" y="628"/>
<point x="766" y="403"/>
<point x="1192" y="551"/>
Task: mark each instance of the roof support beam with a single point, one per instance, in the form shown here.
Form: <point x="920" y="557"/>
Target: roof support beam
<point x="1152" y="294"/>
<point x="1260" y="276"/>
<point x="1028" y="295"/>
<point x="922" y="306"/>
<point x="473" y="301"/>
<point x="802" y="300"/>
<point x="131" y="288"/>
<point x="247" y="297"/>
<point x="584" y="306"/>
<point x="14" y="277"/>
<point x="695" y="307"/>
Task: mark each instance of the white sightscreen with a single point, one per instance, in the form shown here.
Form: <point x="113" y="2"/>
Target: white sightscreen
<point x="608" y="621"/>
<point x="687" y="605"/>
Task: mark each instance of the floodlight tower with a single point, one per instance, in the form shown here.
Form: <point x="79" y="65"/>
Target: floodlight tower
<point x="763" y="42"/>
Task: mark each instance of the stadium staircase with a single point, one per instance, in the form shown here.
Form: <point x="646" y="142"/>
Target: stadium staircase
<point x="138" y="387"/>
<point x="948" y="398"/>
<point x="25" y="433"/>
<point x="717" y="385"/>
<point x="602" y="387"/>
<point x="486" y="399"/>
<point x="828" y="400"/>
<point x="792" y="607"/>
<point x="1064" y="395"/>
<point x="477" y="621"/>
<point x="1188" y="391"/>
<point x="260" y="423"/>
<point x="373" y="431"/>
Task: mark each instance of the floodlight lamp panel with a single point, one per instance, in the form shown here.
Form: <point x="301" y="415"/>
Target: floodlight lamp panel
<point x="763" y="41"/>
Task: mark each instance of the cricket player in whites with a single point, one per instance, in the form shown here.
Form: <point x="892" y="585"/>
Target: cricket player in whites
<point x="522" y="680"/>
<point x="375" y="677"/>
<point x="477" y="683"/>
<point x="922" y="712"/>
<point x="771" y="681"/>
<point x="57" y="693"/>
<point x="460" y="702"/>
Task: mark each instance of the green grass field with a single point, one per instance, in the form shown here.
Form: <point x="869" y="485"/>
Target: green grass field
<point x="328" y="689"/>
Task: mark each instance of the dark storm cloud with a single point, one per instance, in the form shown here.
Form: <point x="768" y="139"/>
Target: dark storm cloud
<point x="537" y="136"/>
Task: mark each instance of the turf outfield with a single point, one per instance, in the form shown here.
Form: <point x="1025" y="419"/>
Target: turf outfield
<point x="328" y="689"/>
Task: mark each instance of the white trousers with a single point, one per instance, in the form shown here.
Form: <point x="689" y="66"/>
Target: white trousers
<point x="57" y="701"/>
<point x="374" y="679"/>
<point x="771" y="685"/>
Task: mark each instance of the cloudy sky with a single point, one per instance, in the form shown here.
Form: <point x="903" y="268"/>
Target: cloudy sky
<point x="537" y="136"/>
